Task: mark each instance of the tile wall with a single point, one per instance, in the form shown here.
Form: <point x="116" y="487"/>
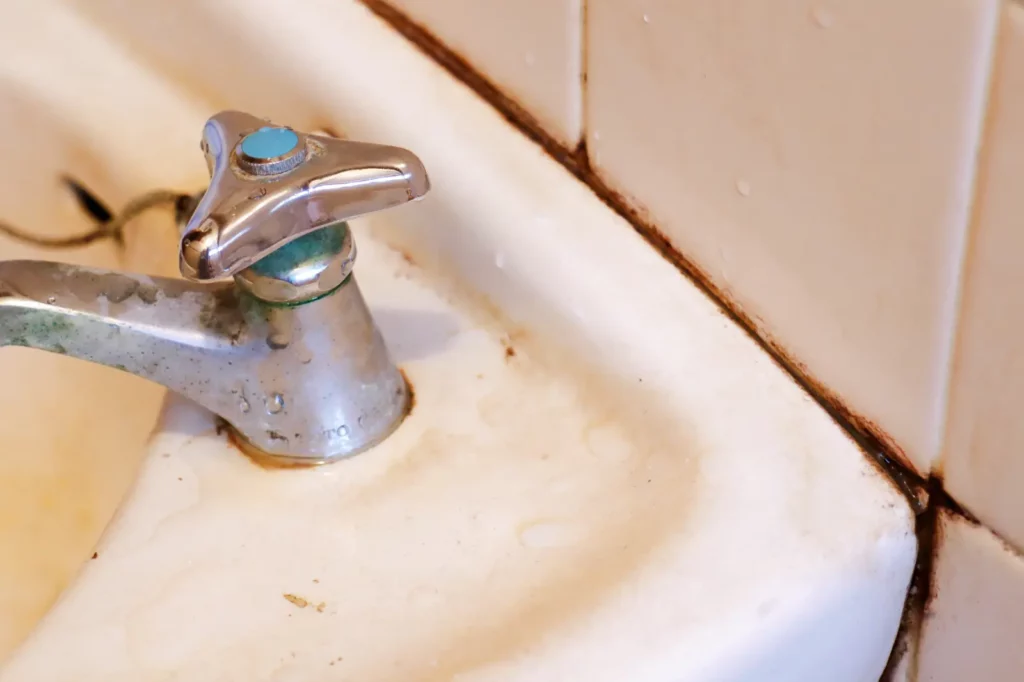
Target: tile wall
<point x="846" y="173"/>
<point x="530" y="49"/>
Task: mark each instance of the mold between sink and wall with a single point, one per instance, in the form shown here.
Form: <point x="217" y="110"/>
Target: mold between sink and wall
<point x="429" y="32"/>
<point x="781" y="529"/>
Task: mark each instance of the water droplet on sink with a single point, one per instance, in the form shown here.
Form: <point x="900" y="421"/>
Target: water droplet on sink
<point x="499" y="261"/>
<point x="243" y="405"/>
<point x="550" y="533"/>
<point x="743" y="187"/>
<point x="51" y="300"/>
<point x="822" y="17"/>
<point x="276" y="403"/>
<point x="647" y="19"/>
<point x="530" y="59"/>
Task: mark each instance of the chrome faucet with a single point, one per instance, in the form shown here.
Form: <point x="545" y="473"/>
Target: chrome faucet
<point x="284" y="349"/>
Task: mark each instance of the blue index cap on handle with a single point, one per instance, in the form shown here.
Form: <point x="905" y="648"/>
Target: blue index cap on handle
<point x="269" y="143"/>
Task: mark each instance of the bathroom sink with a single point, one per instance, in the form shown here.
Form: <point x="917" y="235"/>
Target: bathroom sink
<point x="601" y="478"/>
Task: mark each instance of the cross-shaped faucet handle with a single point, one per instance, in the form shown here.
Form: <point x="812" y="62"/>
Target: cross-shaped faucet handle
<point x="271" y="185"/>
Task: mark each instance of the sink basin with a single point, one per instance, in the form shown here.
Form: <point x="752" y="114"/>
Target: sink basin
<point x="602" y="477"/>
<point x="73" y="435"/>
<point x="73" y="439"/>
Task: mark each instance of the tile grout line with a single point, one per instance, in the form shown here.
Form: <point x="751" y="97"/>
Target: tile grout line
<point x="923" y="583"/>
<point x="584" y="84"/>
<point x="919" y="592"/>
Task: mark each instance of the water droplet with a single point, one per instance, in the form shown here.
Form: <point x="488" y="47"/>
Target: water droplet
<point x="499" y="261"/>
<point x="51" y="300"/>
<point x="530" y="59"/>
<point x="276" y="403"/>
<point x="258" y="192"/>
<point x="550" y="533"/>
<point x="243" y="405"/>
<point x="743" y="187"/>
<point x="597" y="135"/>
<point x="823" y="17"/>
<point x="647" y="19"/>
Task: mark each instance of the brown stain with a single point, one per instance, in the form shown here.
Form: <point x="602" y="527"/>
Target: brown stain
<point x="220" y="427"/>
<point x="270" y="463"/>
<point x="924" y="587"/>
<point x="263" y="460"/>
<point x="409" y="389"/>
<point x="919" y="607"/>
<point x="920" y="593"/>
<point x="296" y="600"/>
<point x="302" y="602"/>
<point x="406" y="256"/>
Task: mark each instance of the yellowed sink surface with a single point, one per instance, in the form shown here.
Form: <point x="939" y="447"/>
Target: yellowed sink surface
<point x="603" y="477"/>
<point x="71" y="439"/>
<point x="71" y="434"/>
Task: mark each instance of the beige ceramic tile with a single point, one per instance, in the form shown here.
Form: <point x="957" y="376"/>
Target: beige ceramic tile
<point x="973" y="628"/>
<point x="531" y="49"/>
<point x="814" y="158"/>
<point x="984" y="452"/>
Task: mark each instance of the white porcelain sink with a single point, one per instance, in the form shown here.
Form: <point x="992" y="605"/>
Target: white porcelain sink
<point x="602" y="478"/>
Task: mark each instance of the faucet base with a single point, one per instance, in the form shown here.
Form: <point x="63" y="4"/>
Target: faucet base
<point x="276" y="460"/>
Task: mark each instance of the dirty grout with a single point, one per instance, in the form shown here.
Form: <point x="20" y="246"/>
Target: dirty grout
<point x="925" y="495"/>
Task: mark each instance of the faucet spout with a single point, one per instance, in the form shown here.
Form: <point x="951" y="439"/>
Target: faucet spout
<point x="306" y="383"/>
<point x="288" y="353"/>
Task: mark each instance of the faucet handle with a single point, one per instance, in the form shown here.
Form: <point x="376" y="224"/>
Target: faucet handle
<point x="271" y="185"/>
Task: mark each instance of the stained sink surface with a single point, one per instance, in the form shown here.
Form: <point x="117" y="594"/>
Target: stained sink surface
<point x="602" y="477"/>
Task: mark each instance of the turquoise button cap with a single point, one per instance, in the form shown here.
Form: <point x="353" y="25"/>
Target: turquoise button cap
<point x="269" y="143"/>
